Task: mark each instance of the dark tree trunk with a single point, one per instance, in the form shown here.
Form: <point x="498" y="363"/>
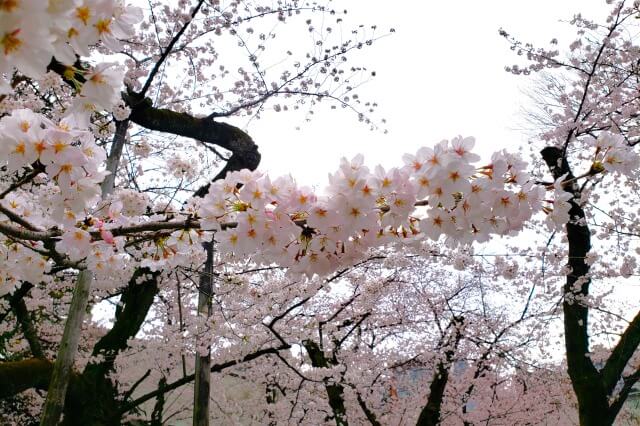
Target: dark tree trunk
<point x="430" y="414"/>
<point x="335" y="391"/>
<point x="593" y="405"/>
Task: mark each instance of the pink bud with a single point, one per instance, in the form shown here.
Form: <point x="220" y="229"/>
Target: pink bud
<point x="107" y="236"/>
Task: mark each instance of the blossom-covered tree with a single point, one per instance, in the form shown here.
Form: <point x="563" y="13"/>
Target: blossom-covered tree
<point x="380" y="300"/>
<point x="592" y="91"/>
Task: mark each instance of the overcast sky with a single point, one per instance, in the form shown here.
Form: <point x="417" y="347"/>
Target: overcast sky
<point x="439" y="75"/>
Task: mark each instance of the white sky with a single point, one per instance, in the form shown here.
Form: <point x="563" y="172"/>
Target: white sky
<point x="439" y="75"/>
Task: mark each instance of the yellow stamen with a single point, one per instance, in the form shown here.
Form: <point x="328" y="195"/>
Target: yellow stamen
<point x="40" y="147"/>
<point x="8" y="5"/>
<point x="83" y="13"/>
<point x="59" y="146"/>
<point x="103" y="26"/>
<point x="11" y="42"/>
<point x="72" y="33"/>
<point x="321" y="212"/>
<point x="97" y="79"/>
<point x="20" y="148"/>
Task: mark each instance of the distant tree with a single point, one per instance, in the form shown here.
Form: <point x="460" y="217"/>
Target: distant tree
<point x="592" y="90"/>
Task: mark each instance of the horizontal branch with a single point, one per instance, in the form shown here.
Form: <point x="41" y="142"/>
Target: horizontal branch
<point x="189" y="223"/>
<point x="25" y="234"/>
<point x="187" y="379"/>
<point x="18" y="376"/>
<point x="244" y="152"/>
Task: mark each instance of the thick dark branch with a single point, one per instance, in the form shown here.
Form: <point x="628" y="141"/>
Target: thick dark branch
<point x="133" y="387"/>
<point x="135" y="303"/>
<point x="16" y="296"/>
<point x="158" y="408"/>
<point x="25" y="234"/>
<point x="244" y="151"/>
<point x="622" y="396"/>
<point x="25" y="374"/>
<point x="28" y="328"/>
<point x="335" y="391"/>
<point x="339" y="343"/>
<point x="585" y="379"/>
<point x="621" y="354"/>
<point x="367" y="412"/>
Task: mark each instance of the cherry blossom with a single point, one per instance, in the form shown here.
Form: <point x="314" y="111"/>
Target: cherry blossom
<point x="352" y="299"/>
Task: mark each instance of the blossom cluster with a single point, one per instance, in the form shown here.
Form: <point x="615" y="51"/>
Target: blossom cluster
<point x="613" y="154"/>
<point x="438" y="192"/>
<point x="32" y="31"/>
<point x="70" y="157"/>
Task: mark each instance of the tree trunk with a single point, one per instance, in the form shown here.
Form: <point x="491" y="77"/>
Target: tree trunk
<point x="430" y="414"/>
<point x="119" y="138"/>
<point x="335" y="391"/>
<point x="66" y="353"/>
<point x="593" y="405"/>
<point x="202" y="389"/>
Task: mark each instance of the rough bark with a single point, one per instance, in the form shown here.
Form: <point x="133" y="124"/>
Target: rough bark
<point x="18" y="376"/>
<point x="593" y="406"/>
<point x="335" y="391"/>
<point x="430" y="414"/>
<point x="202" y="386"/>
<point x="63" y="366"/>
<point x="94" y="399"/>
<point x="244" y="152"/>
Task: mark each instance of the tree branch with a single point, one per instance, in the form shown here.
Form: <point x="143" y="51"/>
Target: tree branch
<point x="28" y="329"/>
<point x="623" y="351"/>
<point x="244" y="151"/>
<point x="216" y="368"/>
<point x="18" y="376"/>
<point x="167" y="51"/>
<point x="335" y="391"/>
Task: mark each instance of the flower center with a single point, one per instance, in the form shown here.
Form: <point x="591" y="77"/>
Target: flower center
<point x="10" y="41"/>
<point x="8" y="5"/>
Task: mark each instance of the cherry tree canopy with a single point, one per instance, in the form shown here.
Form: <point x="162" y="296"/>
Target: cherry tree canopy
<point x="431" y="292"/>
